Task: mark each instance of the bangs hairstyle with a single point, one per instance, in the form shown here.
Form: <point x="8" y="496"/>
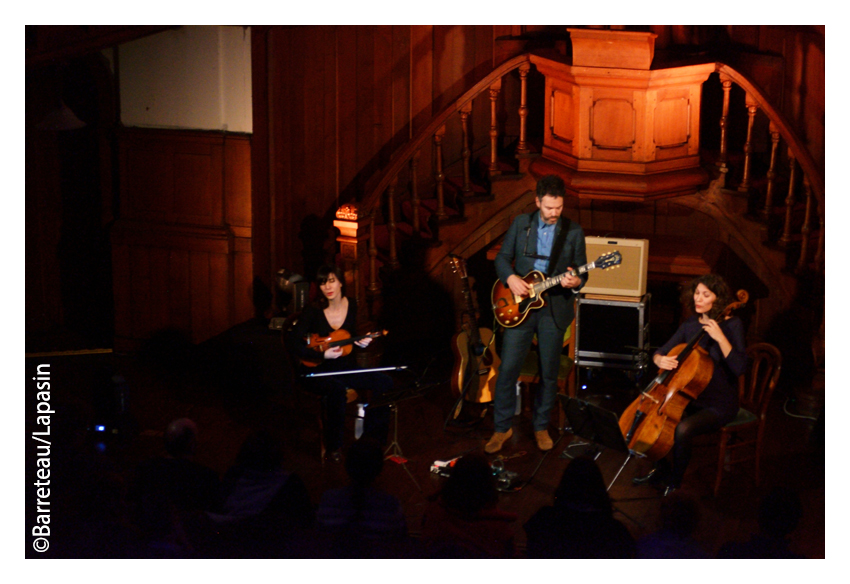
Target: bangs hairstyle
<point x="323" y="274"/>
<point x="714" y="283"/>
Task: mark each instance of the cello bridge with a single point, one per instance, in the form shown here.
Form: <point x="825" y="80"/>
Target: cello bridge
<point x="649" y="396"/>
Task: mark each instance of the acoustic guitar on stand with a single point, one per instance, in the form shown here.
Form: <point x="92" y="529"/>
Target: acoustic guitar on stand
<point x="476" y="362"/>
<point x="512" y="310"/>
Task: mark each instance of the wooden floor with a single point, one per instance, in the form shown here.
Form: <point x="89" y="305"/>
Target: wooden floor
<point x="235" y="387"/>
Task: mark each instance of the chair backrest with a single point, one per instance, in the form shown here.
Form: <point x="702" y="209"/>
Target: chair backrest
<point x="764" y="364"/>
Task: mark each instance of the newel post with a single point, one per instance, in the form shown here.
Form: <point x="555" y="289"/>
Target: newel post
<point x="354" y="239"/>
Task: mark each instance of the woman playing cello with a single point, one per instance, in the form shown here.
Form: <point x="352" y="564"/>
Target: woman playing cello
<point x="717" y="405"/>
<point x="334" y="312"/>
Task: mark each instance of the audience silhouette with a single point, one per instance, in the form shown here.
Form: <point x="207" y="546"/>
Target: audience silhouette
<point x="170" y="493"/>
<point x="361" y="520"/>
<point x="678" y="519"/>
<point x="463" y="521"/>
<point x="580" y="523"/>
<point x="778" y="516"/>
<point x="265" y="507"/>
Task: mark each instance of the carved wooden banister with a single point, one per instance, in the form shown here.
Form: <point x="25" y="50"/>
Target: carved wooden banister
<point x="365" y="212"/>
<point x="371" y="198"/>
<point x="798" y="155"/>
<point x="782" y="125"/>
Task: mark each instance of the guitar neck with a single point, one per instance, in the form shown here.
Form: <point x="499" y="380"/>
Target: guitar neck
<point x="474" y="337"/>
<point x="541" y="287"/>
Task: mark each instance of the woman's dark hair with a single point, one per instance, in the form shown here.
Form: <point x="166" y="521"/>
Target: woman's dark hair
<point x="583" y="487"/>
<point x="471" y="486"/>
<point x="323" y="274"/>
<point x="714" y="283"/>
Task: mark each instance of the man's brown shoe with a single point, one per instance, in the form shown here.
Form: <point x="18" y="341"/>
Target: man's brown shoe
<point x="544" y="443"/>
<point x="496" y="441"/>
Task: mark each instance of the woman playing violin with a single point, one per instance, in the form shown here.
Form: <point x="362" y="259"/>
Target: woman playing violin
<point x="707" y="296"/>
<point x="333" y="312"/>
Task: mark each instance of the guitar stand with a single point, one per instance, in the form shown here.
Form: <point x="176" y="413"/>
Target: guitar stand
<point x="600" y="427"/>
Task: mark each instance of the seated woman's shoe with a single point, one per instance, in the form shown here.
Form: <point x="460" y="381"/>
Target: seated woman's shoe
<point x="649" y="478"/>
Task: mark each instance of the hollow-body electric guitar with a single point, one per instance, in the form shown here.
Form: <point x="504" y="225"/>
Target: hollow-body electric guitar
<point x="511" y="310"/>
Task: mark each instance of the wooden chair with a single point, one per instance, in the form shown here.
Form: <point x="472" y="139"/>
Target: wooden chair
<point x="747" y="429"/>
<point x="530" y="372"/>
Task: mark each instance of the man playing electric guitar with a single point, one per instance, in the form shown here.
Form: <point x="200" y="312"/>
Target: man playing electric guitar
<point x="547" y="242"/>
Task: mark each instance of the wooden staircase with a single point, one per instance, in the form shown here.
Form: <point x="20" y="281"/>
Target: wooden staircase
<point x="769" y="207"/>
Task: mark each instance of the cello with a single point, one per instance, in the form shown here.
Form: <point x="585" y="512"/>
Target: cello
<point x="649" y="423"/>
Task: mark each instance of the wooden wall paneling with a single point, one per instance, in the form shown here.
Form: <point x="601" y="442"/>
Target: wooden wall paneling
<point x="159" y="292"/>
<point x="179" y="291"/>
<point x="221" y="296"/>
<point x="199" y="292"/>
<point x="243" y="298"/>
<point x="401" y="72"/>
<point x="421" y="90"/>
<point x="280" y="151"/>
<point x="365" y="83"/>
<point x="348" y="108"/>
<point x="261" y="210"/>
<point x="237" y="181"/>
<point x="300" y="182"/>
<point x="140" y="292"/>
<point x="147" y="178"/>
<point x="449" y="57"/>
<point x="198" y="188"/>
<point x="383" y="103"/>
<point x="330" y="144"/>
<point x="310" y="174"/>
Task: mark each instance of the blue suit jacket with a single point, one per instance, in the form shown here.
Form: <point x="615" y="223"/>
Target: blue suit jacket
<point x="521" y="239"/>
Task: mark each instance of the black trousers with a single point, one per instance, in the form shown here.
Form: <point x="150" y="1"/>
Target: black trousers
<point x="333" y="391"/>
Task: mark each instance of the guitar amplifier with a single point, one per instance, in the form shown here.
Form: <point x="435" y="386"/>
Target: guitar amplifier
<point x="628" y="278"/>
<point x="612" y="333"/>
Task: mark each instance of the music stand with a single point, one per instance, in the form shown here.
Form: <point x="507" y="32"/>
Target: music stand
<point x="393" y="452"/>
<point x="597" y="425"/>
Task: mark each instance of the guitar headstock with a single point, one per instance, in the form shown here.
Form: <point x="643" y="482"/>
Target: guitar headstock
<point x="458" y="265"/>
<point x="608" y="260"/>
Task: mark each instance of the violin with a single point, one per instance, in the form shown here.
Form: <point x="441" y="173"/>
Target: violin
<point x="338" y="338"/>
<point x="649" y="423"/>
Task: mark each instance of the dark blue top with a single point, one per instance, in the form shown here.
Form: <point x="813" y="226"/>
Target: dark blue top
<point x="721" y="393"/>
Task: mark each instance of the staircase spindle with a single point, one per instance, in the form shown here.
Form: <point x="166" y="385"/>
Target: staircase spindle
<point x="466" y="153"/>
<point x="771" y="174"/>
<point x="494" y="132"/>
<point x="414" y="189"/>
<point x="391" y="224"/>
<point x="807" y="224"/>
<point x="439" y="177"/>
<point x="522" y="146"/>
<point x="789" y="200"/>
<point x="752" y="109"/>
<point x="724" y="120"/>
